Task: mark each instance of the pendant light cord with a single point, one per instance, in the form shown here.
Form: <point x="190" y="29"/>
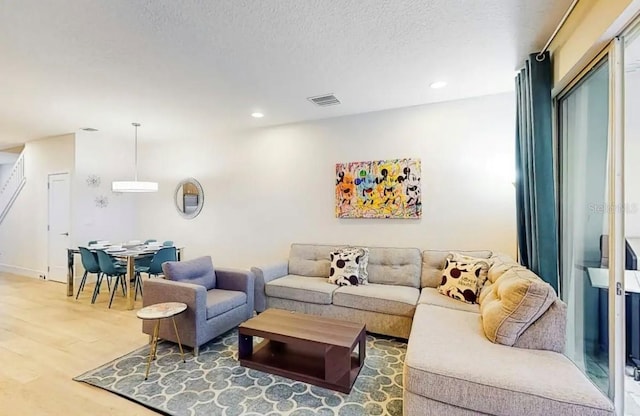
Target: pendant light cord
<point x="135" y="152"/>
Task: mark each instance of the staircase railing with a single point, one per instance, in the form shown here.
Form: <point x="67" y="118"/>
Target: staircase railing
<point x="12" y="187"/>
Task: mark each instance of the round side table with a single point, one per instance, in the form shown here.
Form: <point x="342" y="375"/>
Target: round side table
<point x="158" y="312"/>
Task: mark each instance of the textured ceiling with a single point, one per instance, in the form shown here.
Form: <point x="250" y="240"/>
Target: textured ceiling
<point x="187" y="68"/>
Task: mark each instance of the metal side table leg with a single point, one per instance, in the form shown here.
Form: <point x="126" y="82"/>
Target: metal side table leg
<point x="175" y="327"/>
<point x="152" y="348"/>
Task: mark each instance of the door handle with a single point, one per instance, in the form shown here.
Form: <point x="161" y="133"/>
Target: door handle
<point x="67" y="234"/>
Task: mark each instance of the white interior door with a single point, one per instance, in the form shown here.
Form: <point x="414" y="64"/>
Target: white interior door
<point x="59" y="225"/>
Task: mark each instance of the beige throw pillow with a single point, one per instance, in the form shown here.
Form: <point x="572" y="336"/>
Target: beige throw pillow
<point x="512" y="303"/>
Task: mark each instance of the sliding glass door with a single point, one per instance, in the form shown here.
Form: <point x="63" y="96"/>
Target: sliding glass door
<point x="631" y="46"/>
<point x="599" y="210"/>
<point x="584" y="217"/>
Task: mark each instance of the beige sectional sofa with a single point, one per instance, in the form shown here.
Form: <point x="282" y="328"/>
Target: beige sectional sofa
<point x="451" y="366"/>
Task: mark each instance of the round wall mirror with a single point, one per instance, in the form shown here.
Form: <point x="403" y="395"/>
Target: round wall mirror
<point x="189" y="198"/>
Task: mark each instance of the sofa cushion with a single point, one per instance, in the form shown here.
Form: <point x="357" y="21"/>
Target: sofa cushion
<point x="198" y="271"/>
<point x="345" y="266"/>
<point x="517" y="299"/>
<point x="500" y="264"/>
<point x="548" y="332"/>
<point x="302" y="288"/>
<point x="310" y="259"/>
<point x="394" y="266"/>
<point x="220" y="301"/>
<point x="431" y="296"/>
<point x="462" y="278"/>
<point x="494" y="379"/>
<point x="388" y="299"/>
<point x="433" y="263"/>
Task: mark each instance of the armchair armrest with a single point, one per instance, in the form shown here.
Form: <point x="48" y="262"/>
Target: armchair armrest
<point x="264" y="275"/>
<point x="240" y="280"/>
<point x="194" y="296"/>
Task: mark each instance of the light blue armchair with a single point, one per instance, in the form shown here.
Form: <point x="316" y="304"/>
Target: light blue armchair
<point x="217" y="300"/>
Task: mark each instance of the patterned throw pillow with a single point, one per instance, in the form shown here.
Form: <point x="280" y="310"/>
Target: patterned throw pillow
<point x="485" y="265"/>
<point x="363" y="261"/>
<point x="463" y="277"/>
<point x="345" y="267"/>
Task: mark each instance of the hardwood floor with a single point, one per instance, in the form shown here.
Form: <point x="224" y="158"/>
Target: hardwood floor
<point x="47" y="338"/>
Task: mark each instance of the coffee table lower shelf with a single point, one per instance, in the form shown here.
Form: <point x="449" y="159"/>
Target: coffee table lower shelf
<point x="319" y="365"/>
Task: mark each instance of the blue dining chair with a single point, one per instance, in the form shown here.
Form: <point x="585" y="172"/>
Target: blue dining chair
<point x="168" y="243"/>
<point x="161" y="256"/>
<point x="110" y="268"/>
<point x="90" y="264"/>
<point x="142" y="262"/>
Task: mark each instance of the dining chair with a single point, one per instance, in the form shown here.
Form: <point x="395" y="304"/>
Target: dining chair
<point x="92" y="242"/>
<point x="110" y="268"/>
<point x="168" y="243"/>
<point x="90" y="264"/>
<point x="161" y="256"/>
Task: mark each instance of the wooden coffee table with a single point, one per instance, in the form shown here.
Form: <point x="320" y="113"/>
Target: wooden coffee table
<point x="307" y="348"/>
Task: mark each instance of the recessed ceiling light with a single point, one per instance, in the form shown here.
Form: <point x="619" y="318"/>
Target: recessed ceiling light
<point x="438" y="84"/>
<point x="257" y="115"/>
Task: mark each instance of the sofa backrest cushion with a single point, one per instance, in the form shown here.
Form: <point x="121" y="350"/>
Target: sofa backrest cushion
<point x="310" y="260"/>
<point x="512" y="303"/>
<point x="500" y="263"/>
<point x="394" y="266"/>
<point x="433" y="263"/>
<point x="198" y="271"/>
<point x="548" y="332"/>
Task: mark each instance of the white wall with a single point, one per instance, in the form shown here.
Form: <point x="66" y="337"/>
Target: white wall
<point x="269" y="187"/>
<point x="632" y="153"/>
<point x="23" y="233"/>
<point x="109" y="158"/>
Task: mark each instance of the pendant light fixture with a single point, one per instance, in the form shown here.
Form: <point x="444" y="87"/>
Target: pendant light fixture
<point x="135" y="185"/>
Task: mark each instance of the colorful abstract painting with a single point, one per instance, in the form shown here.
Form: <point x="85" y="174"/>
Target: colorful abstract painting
<point x="379" y="189"/>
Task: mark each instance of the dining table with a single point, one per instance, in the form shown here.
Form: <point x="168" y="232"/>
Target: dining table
<point x="128" y="255"/>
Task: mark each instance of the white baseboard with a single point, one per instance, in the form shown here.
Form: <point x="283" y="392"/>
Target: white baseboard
<point x="21" y="271"/>
<point x="36" y="274"/>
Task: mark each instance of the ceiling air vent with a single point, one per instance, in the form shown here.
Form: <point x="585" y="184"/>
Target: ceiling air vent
<point x="324" y="100"/>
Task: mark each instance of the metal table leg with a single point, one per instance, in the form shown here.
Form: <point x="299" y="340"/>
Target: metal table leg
<point x="175" y="327"/>
<point x="153" y="347"/>
<point x="130" y="281"/>
<point x="70" y="272"/>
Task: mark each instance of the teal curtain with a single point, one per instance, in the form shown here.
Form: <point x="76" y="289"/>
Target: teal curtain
<point x="535" y="181"/>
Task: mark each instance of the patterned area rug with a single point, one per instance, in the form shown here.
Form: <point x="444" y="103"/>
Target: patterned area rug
<point x="215" y="383"/>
